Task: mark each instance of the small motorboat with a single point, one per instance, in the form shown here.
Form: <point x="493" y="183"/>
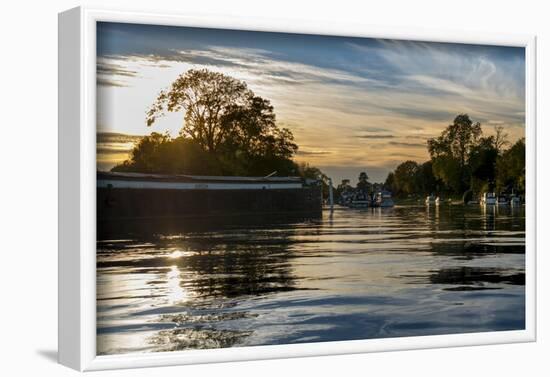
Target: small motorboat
<point x="515" y="200"/>
<point x="488" y="198"/>
<point x="359" y="200"/>
<point x="346" y="197"/>
<point x="383" y="199"/>
<point x="503" y="200"/>
<point x="432" y="200"/>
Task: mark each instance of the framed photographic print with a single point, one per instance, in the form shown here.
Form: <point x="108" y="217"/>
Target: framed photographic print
<point x="232" y="189"/>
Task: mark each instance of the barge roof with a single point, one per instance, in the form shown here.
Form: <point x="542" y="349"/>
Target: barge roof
<point x="193" y="178"/>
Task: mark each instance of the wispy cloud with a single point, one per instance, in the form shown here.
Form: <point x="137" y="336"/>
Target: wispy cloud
<point x="302" y="152"/>
<point x="101" y="81"/>
<point x="375" y="129"/>
<point x="376" y="136"/>
<point x="111" y="74"/>
<point x="113" y="147"/>
<point x="116" y="137"/>
<point x="104" y="68"/>
<point x="407" y="145"/>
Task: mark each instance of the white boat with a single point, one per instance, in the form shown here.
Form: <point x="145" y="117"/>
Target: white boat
<point x="359" y="200"/>
<point x="383" y="199"/>
<point x="515" y="201"/>
<point x="346" y="197"/>
<point x="488" y="198"/>
<point x="431" y="200"/>
<point x="502" y="200"/>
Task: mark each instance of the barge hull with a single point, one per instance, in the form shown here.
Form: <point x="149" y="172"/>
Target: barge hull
<point x="129" y="203"/>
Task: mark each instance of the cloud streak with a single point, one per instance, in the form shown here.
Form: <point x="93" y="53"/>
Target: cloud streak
<point x="407" y="145"/>
<point x="374" y="137"/>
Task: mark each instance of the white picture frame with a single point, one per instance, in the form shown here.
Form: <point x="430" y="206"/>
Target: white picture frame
<point x="77" y="196"/>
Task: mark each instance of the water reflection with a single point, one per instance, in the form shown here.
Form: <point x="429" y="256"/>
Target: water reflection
<point x="176" y="293"/>
<point x="353" y="274"/>
<point x="187" y="338"/>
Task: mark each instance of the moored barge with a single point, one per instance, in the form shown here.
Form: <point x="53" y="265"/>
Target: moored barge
<point x="157" y="196"/>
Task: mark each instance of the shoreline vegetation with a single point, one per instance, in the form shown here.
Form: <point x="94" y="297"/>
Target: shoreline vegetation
<point x="463" y="164"/>
<point x="230" y="131"/>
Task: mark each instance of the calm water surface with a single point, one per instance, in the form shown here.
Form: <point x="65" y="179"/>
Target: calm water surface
<point x="355" y="274"/>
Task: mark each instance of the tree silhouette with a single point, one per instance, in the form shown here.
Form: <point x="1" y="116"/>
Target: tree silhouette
<point x="462" y="159"/>
<point x="511" y="168"/>
<point x="482" y="162"/>
<point x="223" y="115"/>
<point x="205" y="97"/>
<point x="227" y="130"/>
<point x="501" y="139"/>
<point x="363" y="183"/>
<point x="449" y="152"/>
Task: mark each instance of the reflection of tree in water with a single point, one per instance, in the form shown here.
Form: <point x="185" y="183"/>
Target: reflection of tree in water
<point x="469" y="278"/>
<point x="477" y="236"/>
<point x="150" y="228"/>
<point x="196" y="338"/>
<point x="474" y="278"/>
<point x="215" y="265"/>
<point x="237" y="269"/>
<point x="467" y="219"/>
<point x="204" y="271"/>
<point x="468" y="250"/>
<point x="218" y="268"/>
<point x="467" y="234"/>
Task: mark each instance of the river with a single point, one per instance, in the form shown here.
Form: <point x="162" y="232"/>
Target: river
<point x="352" y="274"/>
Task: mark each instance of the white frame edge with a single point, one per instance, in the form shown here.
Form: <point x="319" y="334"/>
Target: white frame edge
<point x="70" y="124"/>
<point x="77" y="191"/>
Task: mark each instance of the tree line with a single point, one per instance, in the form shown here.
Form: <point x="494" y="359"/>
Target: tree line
<point x="227" y="130"/>
<point x="463" y="161"/>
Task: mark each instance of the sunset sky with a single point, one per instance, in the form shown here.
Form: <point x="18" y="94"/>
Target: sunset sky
<point x="353" y="104"/>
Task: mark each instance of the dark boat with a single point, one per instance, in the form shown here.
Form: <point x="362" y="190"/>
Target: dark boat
<point x="156" y="196"/>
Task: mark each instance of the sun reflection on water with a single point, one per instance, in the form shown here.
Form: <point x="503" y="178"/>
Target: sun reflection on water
<point x="176" y="293"/>
<point x="178" y="254"/>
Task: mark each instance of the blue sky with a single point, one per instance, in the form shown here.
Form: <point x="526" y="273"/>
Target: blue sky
<point x="353" y="104"/>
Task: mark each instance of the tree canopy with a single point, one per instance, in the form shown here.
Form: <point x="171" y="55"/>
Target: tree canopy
<point x="206" y="97"/>
<point x="511" y="167"/>
<point x="462" y="159"/>
<point x="227" y="130"/>
<point x="222" y="114"/>
<point x="363" y="183"/>
<point x="449" y="152"/>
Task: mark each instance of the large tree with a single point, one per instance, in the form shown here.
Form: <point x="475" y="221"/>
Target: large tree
<point x="405" y="178"/>
<point x="482" y="162"/>
<point x="426" y="182"/>
<point x="228" y="121"/>
<point x="450" y="151"/>
<point x="463" y="161"/>
<point x="511" y="168"/>
<point x="207" y="99"/>
<point x="500" y="139"/>
<point x="227" y="130"/>
<point x="363" y="183"/>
